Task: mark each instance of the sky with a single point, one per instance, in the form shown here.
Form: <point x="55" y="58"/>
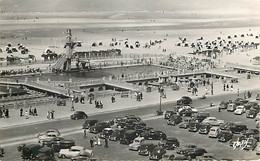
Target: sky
<point x="248" y="6"/>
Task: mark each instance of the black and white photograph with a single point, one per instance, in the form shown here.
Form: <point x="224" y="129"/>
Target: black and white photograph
<point x="129" y="80"/>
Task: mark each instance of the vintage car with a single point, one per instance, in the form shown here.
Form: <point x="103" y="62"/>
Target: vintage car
<point x="194" y="126"/>
<point x="185" y="100"/>
<point x="257" y="97"/>
<point x="174" y="120"/>
<point x="225" y="136"/>
<point x="254" y="133"/>
<point x="200" y="116"/>
<point x="214" y="132"/>
<point x="258" y="150"/>
<point x="79" y="115"/>
<point x="157" y="153"/>
<point x="250" y="144"/>
<point x="168" y="114"/>
<point x="52" y="141"/>
<point x="46" y="137"/>
<point x="231" y="107"/>
<point x="154" y="135"/>
<point x="63" y="144"/>
<point x="170" y="143"/>
<point x="136" y="143"/>
<point x="29" y="151"/>
<point x="213" y="121"/>
<point x="206" y="157"/>
<point x="252" y="113"/>
<point x="185" y="122"/>
<point x="240" y="110"/>
<point x="238" y="127"/>
<point x="73" y="152"/>
<point x="117" y="135"/>
<point x="46" y="153"/>
<point x="168" y="156"/>
<point x="223" y="105"/>
<point x="130" y="116"/>
<point x="236" y="139"/>
<point x="251" y="104"/>
<point x="204" y="128"/>
<point x="193" y="153"/>
<point x="99" y="127"/>
<point x="184" y="149"/>
<point x="106" y="133"/>
<point x="88" y="123"/>
<point x="128" y="137"/>
<point x="146" y="149"/>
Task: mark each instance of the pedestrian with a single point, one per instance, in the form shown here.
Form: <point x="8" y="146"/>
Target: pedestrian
<point x="227" y="87"/>
<point x="101" y="104"/>
<point x="30" y="110"/>
<point x="238" y="92"/>
<point x="21" y="112"/>
<point x="48" y="115"/>
<point x="206" y="91"/>
<point x="231" y="87"/>
<point x="52" y="114"/>
<point x="98" y="141"/>
<point x="95" y="140"/>
<point x="3" y="113"/>
<point x="72" y="107"/>
<point x="7" y="113"/>
<point x="224" y="87"/>
<point x="91" y="142"/>
<point x="106" y="143"/>
<point x="249" y="94"/>
<point x="35" y="112"/>
<point x="219" y="109"/>
<point x="26" y="115"/>
<point x="85" y="133"/>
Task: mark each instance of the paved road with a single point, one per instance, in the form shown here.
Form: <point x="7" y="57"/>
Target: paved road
<point x="117" y="151"/>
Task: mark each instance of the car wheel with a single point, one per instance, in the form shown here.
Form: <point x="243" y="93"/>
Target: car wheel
<point x="63" y="156"/>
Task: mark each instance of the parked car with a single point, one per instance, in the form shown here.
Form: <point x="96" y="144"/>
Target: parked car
<point x="204" y="128"/>
<point x="29" y="151"/>
<point x="225" y="136"/>
<point x="206" y="157"/>
<point x="250" y="104"/>
<point x="170" y="143"/>
<point x="146" y="149"/>
<point x="99" y="127"/>
<point x="117" y="135"/>
<point x="240" y="101"/>
<point x="236" y="139"/>
<point x="46" y="137"/>
<point x="2" y="152"/>
<point x="195" y="152"/>
<point x="154" y="135"/>
<point x="168" y="156"/>
<point x="119" y="119"/>
<point x="239" y="110"/>
<point x="252" y="113"/>
<point x="106" y="133"/>
<point x="79" y="115"/>
<point x="168" y="114"/>
<point x="128" y="137"/>
<point x="157" y="153"/>
<point x="213" y="121"/>
<point x="130" y="116"/>
<point x="184" y="149"/>
<point x="88" y="123"/>
<point x="223" y="104"/>
<point x="214" y="132"/>
<point x="63" y="144"/>
<point x="185" y="122"/>
<point x="251" y="144"/>
<point x="185" y="100"/>
<point x="73" y="152"/>
<point x="200" y="116"/>
<point x="251" y="133"/>
<point x="238" y="127"/>
<point x="231" y="107"/>
<point x="194" y="126"/>
<point x="45" y="152"/>
<point x="174" y="120"/>
<point x="50" y="142"/>
<point x="136" y="143"/>
<point x="257" y="118"/>
<point x="82" y="157"/>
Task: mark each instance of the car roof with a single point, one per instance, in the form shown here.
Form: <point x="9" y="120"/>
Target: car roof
<point x="214" y="127"/>
<point x="79" y="112"/>
<point x="211" y="117"/>
<point x="77" y="147"/>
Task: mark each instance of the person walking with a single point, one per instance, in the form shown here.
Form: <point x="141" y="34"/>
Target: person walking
<point x="219" y="109"/>
<point x="85" y="133"/>
<point x="231" y="87"/>
<point x="106" y="143"/>
<point x="224" y="87"/>
<point x="26" y="115"/>
<point x="35" y="112"/>
<point x="21" y="112"/>
<point x="91" y="142"/>
<point x="227" y="87"/>
<point x="52" y="114"/>
<point x="7" y="113"/>
<point x="48" y="115"/>
<point x="238" y="92"/>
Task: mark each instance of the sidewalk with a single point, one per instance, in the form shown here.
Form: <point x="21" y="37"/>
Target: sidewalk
<point x="152" y="98"/>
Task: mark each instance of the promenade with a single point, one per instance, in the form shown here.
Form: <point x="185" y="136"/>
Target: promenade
<point x="121" y="104"/>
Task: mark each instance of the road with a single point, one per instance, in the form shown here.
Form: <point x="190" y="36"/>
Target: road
<point x="71" y="130"/>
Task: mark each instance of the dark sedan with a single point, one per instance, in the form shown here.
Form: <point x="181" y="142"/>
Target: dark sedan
<point x="170" y="143"/>
<point x="204" y="128"/>
<point x="154" y="135"/>
<point x="184" y="100"/>
<point x="252" y="113"/>
<point x="79" y="115"/>
<point x="225" y="136"/>
<point x="146" y="149"/>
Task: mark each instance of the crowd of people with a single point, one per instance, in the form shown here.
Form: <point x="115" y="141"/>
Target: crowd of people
<point x="20" y="71"/>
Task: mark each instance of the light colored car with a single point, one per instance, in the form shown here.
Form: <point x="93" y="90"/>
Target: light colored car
<point x="214" y="132"/>
<point x="213" y="121"/>
<point x="74" y="151"/>
<point x="231" y="107"/>
<point x="136" y="143"/>
<point x="42" y="137"/>
<point x="240" y="110"/>
<point x="257" y="149"/>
